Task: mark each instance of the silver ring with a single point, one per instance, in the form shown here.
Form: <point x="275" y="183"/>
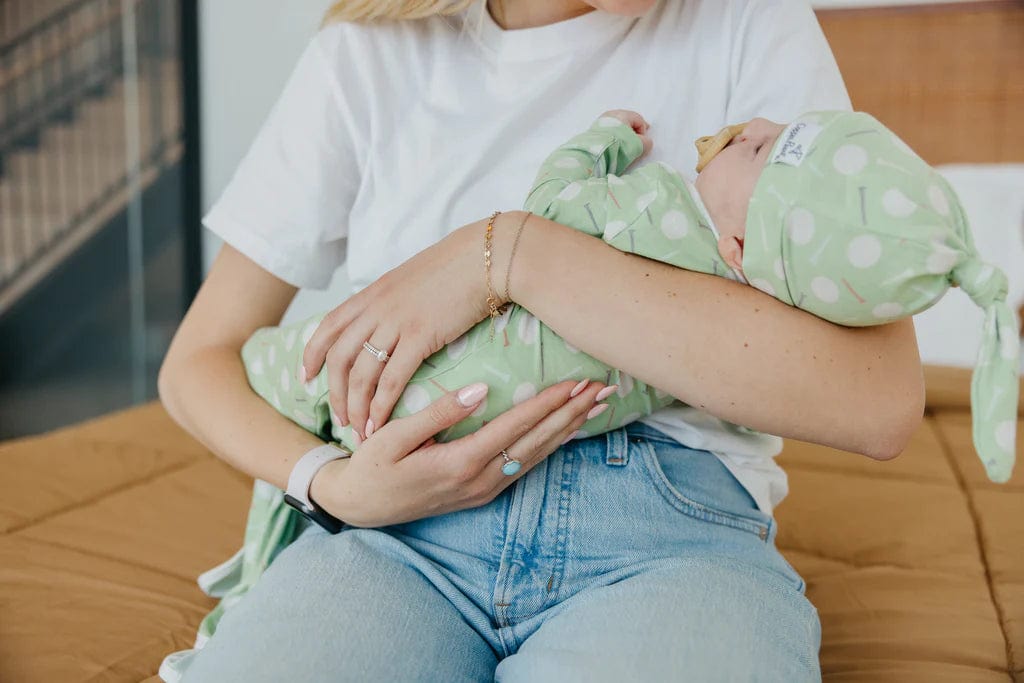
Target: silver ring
<point x="511" y="465"/>
<point x="379" y="354"/>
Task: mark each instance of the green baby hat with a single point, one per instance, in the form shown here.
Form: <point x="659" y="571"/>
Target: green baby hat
<point x="848" y="223"/>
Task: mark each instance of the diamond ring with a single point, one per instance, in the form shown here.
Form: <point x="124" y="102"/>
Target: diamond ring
<point x="379" y="354"/>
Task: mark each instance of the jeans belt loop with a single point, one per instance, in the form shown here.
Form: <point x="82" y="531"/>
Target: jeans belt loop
<point x="616" y="451"/>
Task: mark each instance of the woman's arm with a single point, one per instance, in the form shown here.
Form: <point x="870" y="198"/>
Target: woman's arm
<point x="202" y="382"/>
<point x="396" y="475"/>
<point x="724" y="347"/>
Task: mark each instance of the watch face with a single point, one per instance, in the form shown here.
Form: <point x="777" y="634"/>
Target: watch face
<point x="331" y="524"/>
<point x="297" y="504"/>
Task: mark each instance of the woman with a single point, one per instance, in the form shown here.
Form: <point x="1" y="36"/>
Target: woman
<point x="646" y="553"/>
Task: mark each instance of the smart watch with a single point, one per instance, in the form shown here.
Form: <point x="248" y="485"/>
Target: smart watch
<point x="301" y="479"/>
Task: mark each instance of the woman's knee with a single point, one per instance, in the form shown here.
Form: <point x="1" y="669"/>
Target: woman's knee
<point x="698" y="620"/>
<point x="342" y="608"/>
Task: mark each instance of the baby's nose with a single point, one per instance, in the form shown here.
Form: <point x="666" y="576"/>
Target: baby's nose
<point x="756" y="127"/>
<point x="763" y="127"/>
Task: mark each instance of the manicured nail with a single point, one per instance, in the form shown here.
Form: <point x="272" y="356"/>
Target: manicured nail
<point x="302" y="374"/>
<point x="358" y="439"/>
<point x="597" y="410"/>
<point x="369" y="428"/>
<point x="471" y="395"/>
<point x="343" y="421"/>
<point x="578" y="388"/>
<point x="569" y="438"/>
<point x="605" y="393"/>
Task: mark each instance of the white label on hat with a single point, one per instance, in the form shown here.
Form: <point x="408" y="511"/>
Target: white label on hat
<point x="795" y="142"/>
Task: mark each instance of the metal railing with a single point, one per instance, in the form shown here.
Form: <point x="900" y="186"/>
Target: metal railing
<point x="90" y="113"/>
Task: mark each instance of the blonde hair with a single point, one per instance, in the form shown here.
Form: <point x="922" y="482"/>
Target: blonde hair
<point x="390" y="10"/>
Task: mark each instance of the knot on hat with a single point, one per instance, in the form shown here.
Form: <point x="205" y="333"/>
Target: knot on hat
<point x="981" y="281"/>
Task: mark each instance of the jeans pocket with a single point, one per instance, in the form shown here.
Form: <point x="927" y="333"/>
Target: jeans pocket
<point x="789" y="571"/>
<point x="696" y="483"/>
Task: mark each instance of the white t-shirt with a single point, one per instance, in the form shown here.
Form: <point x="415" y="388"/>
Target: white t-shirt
<point x="389" y="136"/>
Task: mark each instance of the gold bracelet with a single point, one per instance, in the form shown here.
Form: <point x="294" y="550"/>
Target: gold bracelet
<point x="492" y="299"/>
<point x="515" y="245"/>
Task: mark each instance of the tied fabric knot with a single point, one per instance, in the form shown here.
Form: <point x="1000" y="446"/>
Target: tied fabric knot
<point x="995" y="385"/>
<point x="981" y="281"/>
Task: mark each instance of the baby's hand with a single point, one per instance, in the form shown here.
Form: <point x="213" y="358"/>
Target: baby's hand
<point x="636" y="122"/>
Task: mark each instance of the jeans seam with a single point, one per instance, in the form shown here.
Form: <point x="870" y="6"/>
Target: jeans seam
<point x="569" y="474"/>
<point x="692" y="508"/>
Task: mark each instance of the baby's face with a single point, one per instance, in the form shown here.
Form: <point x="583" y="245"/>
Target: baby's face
<point x="727" y="183"/>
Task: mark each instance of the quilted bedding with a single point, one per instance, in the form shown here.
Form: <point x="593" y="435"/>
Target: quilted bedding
<point x="915" y="565"/>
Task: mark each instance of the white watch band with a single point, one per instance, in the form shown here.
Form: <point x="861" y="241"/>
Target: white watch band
<point x="306" y="468"/>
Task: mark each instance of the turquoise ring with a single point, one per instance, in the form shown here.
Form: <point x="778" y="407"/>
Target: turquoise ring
<point x="511" y="466"/>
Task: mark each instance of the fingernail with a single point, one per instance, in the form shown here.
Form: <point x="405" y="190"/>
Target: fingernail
<point x="605" y="393"/>
<point x="597" y="410"/>
<point x="569" y="438"/>
<point x="471" y="395"/>
<point x="302" y="374"/>
<point x="369" y="428"/>
<point x="343" y="421"/>
<point x="358" y="439"/>
<point x="578" y="388"/>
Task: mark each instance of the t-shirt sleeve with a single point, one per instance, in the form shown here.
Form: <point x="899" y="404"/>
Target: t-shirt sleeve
<point x="287" y="204"/>
<point x="782" y="66"/>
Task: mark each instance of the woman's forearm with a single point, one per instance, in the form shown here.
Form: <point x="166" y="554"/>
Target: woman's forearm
<point x="206" y="392"/>
<point x="202" y="380"/>
<point x="727" y="348"/>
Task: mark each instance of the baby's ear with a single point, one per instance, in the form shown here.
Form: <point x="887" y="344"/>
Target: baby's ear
<point x="731" y="250"/>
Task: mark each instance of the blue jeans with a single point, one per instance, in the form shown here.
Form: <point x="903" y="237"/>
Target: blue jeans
<point x="621" y="557"/>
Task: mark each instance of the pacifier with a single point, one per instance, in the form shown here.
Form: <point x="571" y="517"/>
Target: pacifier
<point x="710" y="145"/>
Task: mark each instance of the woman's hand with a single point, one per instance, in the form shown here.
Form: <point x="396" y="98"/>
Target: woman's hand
<point x="410" y="312"/>
<point x="400" y="474"/>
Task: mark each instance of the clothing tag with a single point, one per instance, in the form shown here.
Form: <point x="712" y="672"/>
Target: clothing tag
<point x="795" y="142"/>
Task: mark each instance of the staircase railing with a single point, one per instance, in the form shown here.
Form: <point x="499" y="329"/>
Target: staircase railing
<point x="76" y="102"/>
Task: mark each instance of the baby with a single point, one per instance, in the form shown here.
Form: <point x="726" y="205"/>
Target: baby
<point x="832" y="214"/>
